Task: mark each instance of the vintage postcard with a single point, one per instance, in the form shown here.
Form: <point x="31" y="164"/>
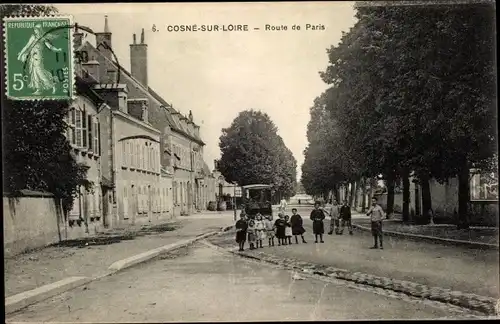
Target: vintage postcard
<point x="251" y="161"/>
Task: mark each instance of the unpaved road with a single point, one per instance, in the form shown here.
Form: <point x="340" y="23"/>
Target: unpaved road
<point x="200" y="283"/>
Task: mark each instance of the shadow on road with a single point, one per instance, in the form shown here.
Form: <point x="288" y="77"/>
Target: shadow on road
<point x="117" y="236"/>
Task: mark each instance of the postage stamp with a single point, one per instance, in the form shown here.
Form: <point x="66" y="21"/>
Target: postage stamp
<point x="39" y="58"/>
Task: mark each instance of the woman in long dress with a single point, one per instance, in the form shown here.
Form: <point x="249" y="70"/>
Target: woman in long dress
<point x="32" y="55"/>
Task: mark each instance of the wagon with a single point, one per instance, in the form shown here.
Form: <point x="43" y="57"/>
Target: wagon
<point x="257" y="199"/>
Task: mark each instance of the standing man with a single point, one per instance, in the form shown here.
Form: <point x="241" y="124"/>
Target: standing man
<point x="334" y="214"/>
<point x="283" y="206"/>
<point x="345" y="215"/>
<point x="376" y="214"/>
<point x="317" y="216"/>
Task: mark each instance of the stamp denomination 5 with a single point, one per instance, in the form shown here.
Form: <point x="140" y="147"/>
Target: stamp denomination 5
<point x="39" y="58"/>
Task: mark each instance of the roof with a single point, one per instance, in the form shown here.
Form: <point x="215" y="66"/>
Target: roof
<point x="172" y="120"/>
<point x="206" y="169"/>
<point x="257" y="186"/>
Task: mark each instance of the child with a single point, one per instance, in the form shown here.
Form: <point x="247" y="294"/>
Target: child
<point x="241" y="231"/>
<point x="376" y="214"/>
<point x="345" y="214"/>
<point x="260" y="230"/>
<point x="268" y="225"/>
<point x="317" y="216"/>
<point x="334" y="214"/>
<point x="279" y="224"/>
<point x="251" y="234"/>
<point x="297" y="226"/>
<point x="288" y="230"/>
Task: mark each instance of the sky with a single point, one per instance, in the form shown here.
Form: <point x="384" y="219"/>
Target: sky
<point x="216" y="75"/>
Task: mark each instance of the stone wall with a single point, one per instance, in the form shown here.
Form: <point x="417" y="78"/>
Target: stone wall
<point x="31" y="221"/>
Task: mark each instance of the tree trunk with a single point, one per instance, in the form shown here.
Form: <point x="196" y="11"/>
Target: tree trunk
<point x="336" y="193"/>
<point x="390" y="195"/>
<point x="370" y="193"/>
<point x="463" y="197"/>
<point x="426" y="199"/>
<point x="356" y="195"/>
<point x="353" y="192"/>
<point x="406" y="196"/>
<point x="363" y="191"/>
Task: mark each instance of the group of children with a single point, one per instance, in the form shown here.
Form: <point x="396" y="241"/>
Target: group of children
<point x="261" y="228"/>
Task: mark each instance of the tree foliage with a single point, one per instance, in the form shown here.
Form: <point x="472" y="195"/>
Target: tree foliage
<point x="412" y="90"/>
<point x="253" y="152"/>
<point x="36" y="154"/>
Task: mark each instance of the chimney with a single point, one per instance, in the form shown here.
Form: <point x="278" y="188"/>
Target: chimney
<point x="139" y="60"/>
<point x="78" y="37"/>
<point x="112" y="76"/>
<point x="190" y="116"/>
<point x="103" y="40"/>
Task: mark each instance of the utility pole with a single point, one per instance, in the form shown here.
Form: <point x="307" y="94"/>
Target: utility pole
<point x="234" y="202"/>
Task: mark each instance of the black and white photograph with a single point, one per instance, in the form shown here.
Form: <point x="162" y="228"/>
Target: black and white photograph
<point x="250" y="161"/>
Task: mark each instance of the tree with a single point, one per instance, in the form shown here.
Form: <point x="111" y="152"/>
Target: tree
<point x="253" y="152"/>
<point x="415" y="92"/>
<point x="36" y="154"/>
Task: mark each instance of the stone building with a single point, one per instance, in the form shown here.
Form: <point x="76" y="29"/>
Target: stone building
<point x="174" y="186"/>
<point x="83" y="122"/>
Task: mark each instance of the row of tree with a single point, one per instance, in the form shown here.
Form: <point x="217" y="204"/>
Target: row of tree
<point x="412" y="93"/>
<point x="252" y="152"/>
<point x="36" y="154"/>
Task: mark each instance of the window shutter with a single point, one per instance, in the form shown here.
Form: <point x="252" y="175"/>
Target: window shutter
<point x="124" y="153"/>
<point x="78" y="125"/>
<point x="96" y="135"/>
<point x="84" y="128"/>
<point x="90" y="134"/>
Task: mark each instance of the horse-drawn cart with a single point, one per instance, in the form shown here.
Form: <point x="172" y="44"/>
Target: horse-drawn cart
<point x="257" y="199"/>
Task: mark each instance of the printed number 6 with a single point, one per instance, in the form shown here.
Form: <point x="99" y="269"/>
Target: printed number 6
<point x="18" y="80"/>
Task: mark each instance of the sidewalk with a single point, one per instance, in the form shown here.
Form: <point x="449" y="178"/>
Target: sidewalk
<point x="29" y="271"/>
<point x="486" y="235"/>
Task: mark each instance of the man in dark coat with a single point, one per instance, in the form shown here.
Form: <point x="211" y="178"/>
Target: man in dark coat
<point x="317" y="216"/>
<point x="345" y="215"/>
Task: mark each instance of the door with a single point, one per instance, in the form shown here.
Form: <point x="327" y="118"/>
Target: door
<point x="105" y="207"/>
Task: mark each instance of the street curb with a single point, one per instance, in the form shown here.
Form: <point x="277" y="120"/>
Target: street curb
<point x="148" y="255"/>
<point x="483" y="304"/>
<point x="27" y="298"/>
<point x="433" y="238"/>
<point x="21" y="300"/>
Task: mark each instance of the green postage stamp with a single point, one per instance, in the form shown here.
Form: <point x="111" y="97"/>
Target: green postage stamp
<point x="39" y="58"/>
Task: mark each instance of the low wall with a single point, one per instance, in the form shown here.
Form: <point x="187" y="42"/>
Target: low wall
<point x="31" y="221"/>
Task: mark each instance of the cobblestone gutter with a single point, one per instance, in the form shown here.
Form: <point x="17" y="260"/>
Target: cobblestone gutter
<point x="485" y="305"/>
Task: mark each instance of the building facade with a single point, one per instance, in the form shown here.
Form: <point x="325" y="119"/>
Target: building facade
<point x="154" y="165"/>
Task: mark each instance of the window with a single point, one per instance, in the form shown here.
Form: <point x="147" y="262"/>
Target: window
<point x="79" y="128"/>
<point x="72" y="126"/>
<point x="124" y="153"/>
<point x="144" y="157"/>
<point x="97" y="134"/>
<point x="137" y="158"/>
<point x="91" y="133"/>
<point x="128" y="152"/>
<point x="152" y="167"/>
<point x="84" y="127"/>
